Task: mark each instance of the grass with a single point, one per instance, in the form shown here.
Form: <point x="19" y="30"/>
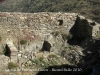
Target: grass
<point x="12" y="65"/>
<point x="53" y="62"/>
<point x="40" y="62"/>
<point x="36" y="62"/>
<point x="56" y="33"/>
<point x="43" y="63"/>
<point x="22" y="42"/>
<point x="0" y="38"/>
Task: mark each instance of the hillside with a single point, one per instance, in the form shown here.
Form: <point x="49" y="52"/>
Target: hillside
<point x="32" y="41"/>
<point x="88" y="8"/>
<point x="38" y="37"/>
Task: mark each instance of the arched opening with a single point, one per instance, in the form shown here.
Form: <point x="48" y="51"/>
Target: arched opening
<point x="60" y="22"/>
<point x="46" y="46"/>
<point x="7" y="51"/>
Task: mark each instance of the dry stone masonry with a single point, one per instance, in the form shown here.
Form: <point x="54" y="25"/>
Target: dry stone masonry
<point x="38" y="29"/>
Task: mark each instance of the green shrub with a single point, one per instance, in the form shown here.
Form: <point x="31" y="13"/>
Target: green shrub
<point x="53" y="62"/>
<point x="0" y="38"/>
<point x="41" y="59"/>
<point x="66" y="36"/>
<point x="23" y="42"/>
<point x="56" y="33"/>
<point x="12" y="65"/>
<point x="69" y="36"/>
<point x="36" y="62"/>
<point x="45" y="64"/>
<point x="2" y="52"/>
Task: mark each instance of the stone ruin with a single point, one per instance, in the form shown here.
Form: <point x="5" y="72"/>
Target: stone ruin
<point x="37" y="28"/>
<point x="11" y="51"/>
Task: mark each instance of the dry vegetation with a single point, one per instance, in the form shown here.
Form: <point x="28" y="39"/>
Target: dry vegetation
<point x="85" y="7"/>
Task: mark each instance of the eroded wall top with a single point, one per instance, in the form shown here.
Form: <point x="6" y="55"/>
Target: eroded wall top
<point x="27" y="25"/>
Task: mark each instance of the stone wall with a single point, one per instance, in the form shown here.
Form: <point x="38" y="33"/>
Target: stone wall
<point x="29" y="25"/>
<point x="34" y="26"/>
<point x="39" y="27"/>
<point x="42" y="23"/>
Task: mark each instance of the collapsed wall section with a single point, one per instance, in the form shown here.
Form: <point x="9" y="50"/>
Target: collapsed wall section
<point x="81" y="29"/>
